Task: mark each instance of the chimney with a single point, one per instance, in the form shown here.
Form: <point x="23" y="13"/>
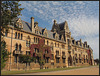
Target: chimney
<point x="55" y="22"/>
<point x="32" y="23"/>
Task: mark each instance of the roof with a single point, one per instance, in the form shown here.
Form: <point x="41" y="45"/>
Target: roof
<point x="27" y="27"/>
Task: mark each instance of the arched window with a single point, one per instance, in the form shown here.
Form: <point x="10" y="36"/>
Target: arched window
<point x="34" y="39"/>
<point x="16" y="46"/>
<point x="20" y="47"/>
<point x="28" y="41"/>
<point x="18" y="35"/>
<point x="51" y="45"/>
<point x="38" y="40"/>
<point x="21" y="36"/>
<point x="55" y="44"/>
<point x="15" y="35"/>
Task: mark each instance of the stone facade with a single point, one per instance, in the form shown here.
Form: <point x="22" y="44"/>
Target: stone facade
<point x="66" y="51"/>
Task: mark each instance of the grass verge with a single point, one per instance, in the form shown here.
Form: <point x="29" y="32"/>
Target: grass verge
<point x="36" y="71"/>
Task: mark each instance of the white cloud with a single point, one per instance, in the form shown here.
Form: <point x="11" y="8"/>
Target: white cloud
<point x="80" y="15"/>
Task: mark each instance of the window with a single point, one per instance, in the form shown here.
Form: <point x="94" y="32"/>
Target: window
<point x="15" y="35"/>
<point x="6" y="33"/>
<point x="76" y="60"/>
<point x="38" y="40"/>
<point x="16" y="46"/>
<point x="15" y="59"/>
<point x="36" y="50"/>
<point x="51" y="45"/>
<point x="20" y="47"/>
<point x="57" y="52"/>
<point x="63" y="46"/>
<point x="84" y="60"/>
<point x="63" y="60"/>
<point x="27" y="52"/>
<point x="57" y="60"/>
<point x="55" y="44"/>
<point x="18" y="35"/>
<point x="34" y="39"/>
<point x="21" y="36"/>
<point x="27" y="43"/>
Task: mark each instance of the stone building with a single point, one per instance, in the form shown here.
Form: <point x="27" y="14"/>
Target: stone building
<point x="66" y="51"/>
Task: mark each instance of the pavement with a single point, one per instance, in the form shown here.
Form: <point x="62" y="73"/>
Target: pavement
<point x="93" y="70"/>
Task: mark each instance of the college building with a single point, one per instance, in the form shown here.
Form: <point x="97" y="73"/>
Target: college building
<point x="65" y="50"/>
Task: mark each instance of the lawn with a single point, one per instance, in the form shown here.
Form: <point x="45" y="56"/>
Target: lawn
<point x="35" y="71"/>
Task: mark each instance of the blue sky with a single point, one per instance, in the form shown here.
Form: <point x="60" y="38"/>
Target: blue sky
<point x="82" y="18"/>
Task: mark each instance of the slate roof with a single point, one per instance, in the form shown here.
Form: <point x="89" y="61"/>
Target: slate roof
<point x="27" y="27"/>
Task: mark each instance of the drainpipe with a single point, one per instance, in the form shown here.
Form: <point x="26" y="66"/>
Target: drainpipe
<point x="11" y="49"/>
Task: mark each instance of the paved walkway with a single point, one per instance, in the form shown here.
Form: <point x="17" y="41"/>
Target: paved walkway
<point x="93" y="70"/>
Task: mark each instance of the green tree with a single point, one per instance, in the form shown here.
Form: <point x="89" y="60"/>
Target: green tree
<point x="4" y="54"/>
<point x="26" y="59"/>
<point x="9" y="12"/>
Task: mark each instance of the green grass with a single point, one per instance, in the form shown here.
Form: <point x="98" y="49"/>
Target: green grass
<point x="35" y="71"/>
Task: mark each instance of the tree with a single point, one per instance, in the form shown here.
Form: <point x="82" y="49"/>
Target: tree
<point x="41" y="54"/>
<point x="9" y="12"/>
<point x="26" y="59"/>
<point x="4" y="54"/>
<point x="97" y="61"/>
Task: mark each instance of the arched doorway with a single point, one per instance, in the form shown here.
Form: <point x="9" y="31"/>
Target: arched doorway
<point x="70" y="61"/>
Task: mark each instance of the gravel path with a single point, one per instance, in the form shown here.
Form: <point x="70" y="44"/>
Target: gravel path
<point x="94" y="70"/>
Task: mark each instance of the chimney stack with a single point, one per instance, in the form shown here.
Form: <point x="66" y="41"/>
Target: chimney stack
<point x="32" y="23"/>
<point x="55" y="22"/>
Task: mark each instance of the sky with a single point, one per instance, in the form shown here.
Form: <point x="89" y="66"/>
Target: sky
<point x="82" y="18"/>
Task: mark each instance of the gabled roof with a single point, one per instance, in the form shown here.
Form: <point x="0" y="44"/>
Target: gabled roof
<point x="27" y="27"/>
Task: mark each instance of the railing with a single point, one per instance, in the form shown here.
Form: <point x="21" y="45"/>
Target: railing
<point x="58" y="56"/>
<point x="63" y="56"/>
<point x="17" y="52"/>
